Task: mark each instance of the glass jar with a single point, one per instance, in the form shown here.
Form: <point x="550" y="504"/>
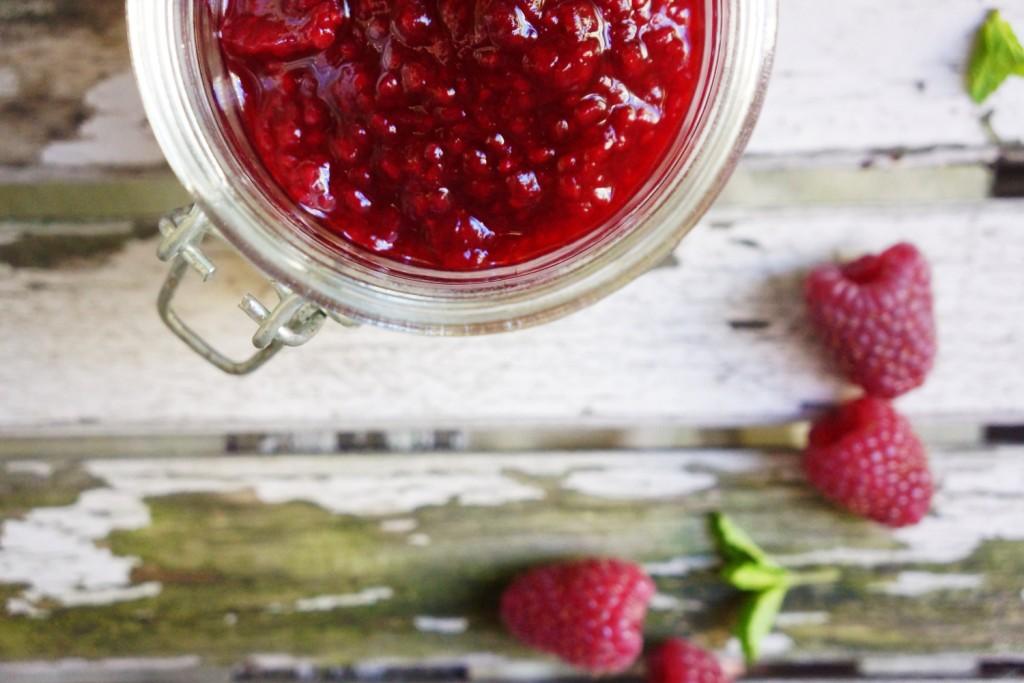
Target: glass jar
<point x="172" y="44"/>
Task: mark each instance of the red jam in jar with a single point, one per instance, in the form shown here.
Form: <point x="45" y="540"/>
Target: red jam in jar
<point x="462" y="135"/>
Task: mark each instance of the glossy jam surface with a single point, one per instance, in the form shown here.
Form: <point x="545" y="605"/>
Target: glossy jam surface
<point x="462" y="135"/>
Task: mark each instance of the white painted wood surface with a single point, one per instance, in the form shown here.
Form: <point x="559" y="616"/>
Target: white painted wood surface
<point x="116" y="134"/>
<point x="719" y="338"/>
<point x="862" y="75"/>
<point x="854" y="80"/>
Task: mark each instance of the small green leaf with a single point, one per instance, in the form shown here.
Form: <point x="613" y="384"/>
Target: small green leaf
<point x="734" y="544"/>
<point x="748" y="576"/>
<point x="997" y="55"/>
<point x="757" y="620"/>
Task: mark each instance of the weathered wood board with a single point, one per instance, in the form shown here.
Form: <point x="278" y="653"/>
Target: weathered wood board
<point x="717" y="337"/>
<point x="856" y="82"/>
<point x="346" y="559"/>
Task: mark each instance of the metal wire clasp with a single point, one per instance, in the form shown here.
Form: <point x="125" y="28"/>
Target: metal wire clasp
<point x="292" y="322"/>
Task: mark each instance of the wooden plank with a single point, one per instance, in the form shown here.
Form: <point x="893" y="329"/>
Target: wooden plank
<point x="85" y="196"/>
<point x="717" y="337"/>
<point x="496" y="671"/>
<point x="148" y="670"/>
<point x="99" y="196"/>
<point x="330" y="558"/>
<point x="874" y="75"/>
<point x="855" y="82"/>
<point x="145" y="671"/>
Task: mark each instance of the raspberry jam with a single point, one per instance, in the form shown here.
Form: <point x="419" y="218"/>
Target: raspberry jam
<point x="462" y="135"/>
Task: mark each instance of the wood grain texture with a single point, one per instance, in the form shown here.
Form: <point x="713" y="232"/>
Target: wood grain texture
<point x="876" y="75"/>
<point x="861" y="81"/>
<point x="330" y="558"/>
<point x="716" y="338"/>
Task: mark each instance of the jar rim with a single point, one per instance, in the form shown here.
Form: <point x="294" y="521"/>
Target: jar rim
<point x="175" y="93"/>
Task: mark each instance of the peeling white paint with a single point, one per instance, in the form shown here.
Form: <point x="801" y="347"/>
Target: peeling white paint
<point x="680" y="566"/>
<point x="106" y="596"/>
<point x="26" y="608"/>
<point x="790" y="619"/>
<point x="37" y="468"/>
<point x="28" y="603"/>
<point x="647" y="476"/>
<point x="9" y="85"/>
<point x="915" y="584"/>
<point x="772" y="645"/>
<point x="53" y="551"/>
<point x="326" y="603"/>
<point x="278" y="661"/>
<point x="663" y="602"/>
<point x="444" y="625"/>
<point x="631" y="483"/>
<point x="117" y="133"/>
<point x="401" y="525"/>
<point x="674" y="461"/>
<point x="419" y="540"/>
<point x="356" y="486"/>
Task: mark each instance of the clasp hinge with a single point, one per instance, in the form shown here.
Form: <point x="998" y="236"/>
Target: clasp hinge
<point x="183" y="232"/>
<point x="292" y="322"/>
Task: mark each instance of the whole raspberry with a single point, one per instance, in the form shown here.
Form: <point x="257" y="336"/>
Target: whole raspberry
<point x="865" y="457"/>
<point x="677" y="661"/>
<point x="876" y="316"/>
<point x="588" y="612"/>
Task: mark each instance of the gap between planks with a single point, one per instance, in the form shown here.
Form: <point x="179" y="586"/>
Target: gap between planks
<point x="525" y="438"/>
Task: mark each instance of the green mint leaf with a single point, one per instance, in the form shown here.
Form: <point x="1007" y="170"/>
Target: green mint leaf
<point x="758" y="619"/>
<point x="997" y="55"/>
<point x="751" y="577"/>
<point x="734" y="544"/>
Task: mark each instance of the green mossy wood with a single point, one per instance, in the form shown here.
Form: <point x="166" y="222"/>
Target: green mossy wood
<point x="233" y="569"/>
